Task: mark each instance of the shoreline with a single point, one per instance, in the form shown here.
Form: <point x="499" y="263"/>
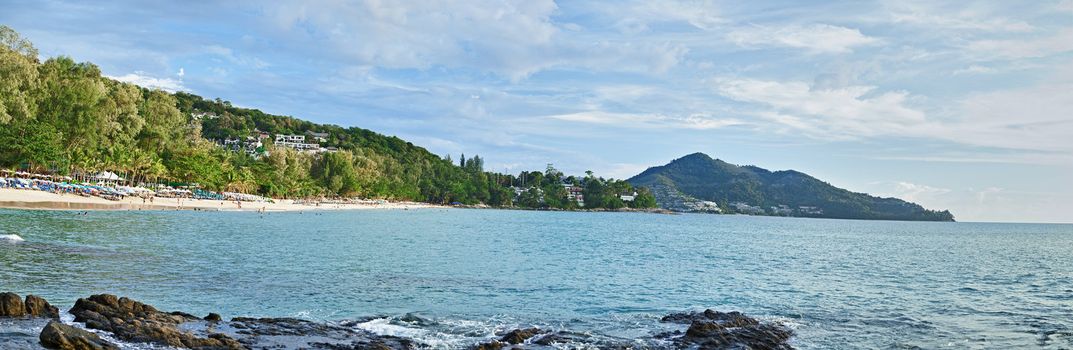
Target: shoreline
<point x="106" y="321"/>
<point x="39" y="200"/>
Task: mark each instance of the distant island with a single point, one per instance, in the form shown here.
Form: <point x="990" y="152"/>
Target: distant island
<point x="699" y="183"/>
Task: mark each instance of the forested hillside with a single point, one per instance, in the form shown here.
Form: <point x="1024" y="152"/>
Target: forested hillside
<point x="759" y="191"/>
<point x="61" y="116"/>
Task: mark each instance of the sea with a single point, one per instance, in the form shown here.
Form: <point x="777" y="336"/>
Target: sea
<point x="472" y="273"/>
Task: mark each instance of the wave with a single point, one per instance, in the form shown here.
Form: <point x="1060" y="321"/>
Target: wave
<point x="11" y="238"/>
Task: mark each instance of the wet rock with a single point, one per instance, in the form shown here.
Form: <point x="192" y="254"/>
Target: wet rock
<point x="288" y="333"/>
<point x="519" y="336"/>
<point x="56" y="335"/>
<point x="39" y="307"/>
<point x="137" y="322"/>
<point x="492" y="345"/>
<point x="11" y="305"/>
<point x="213" y="317"/>
<point x="561" y="337"/>
<point x="726" y="330"/>
<point x="416" y="320"/>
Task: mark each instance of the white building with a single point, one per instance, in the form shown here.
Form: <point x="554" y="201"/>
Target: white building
<point x="574" y="193"/>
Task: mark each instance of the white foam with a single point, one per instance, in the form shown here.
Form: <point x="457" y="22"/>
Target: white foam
<point x="428" y="338"/>
<point x="383" y="326"/>
<point x="11" y="238"/>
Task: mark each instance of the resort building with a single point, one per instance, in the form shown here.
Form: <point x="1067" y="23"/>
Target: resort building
<point x="747" y="209"/>
<point x="297" y="142"/>
<point x="574" y="193"/>
<point x="318" y="136"/>
<point x="629" y="197"/>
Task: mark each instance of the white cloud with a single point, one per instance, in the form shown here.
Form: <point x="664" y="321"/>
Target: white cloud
<point x="700" y="14"/>
<point x="1033" y="118"/>
<point x="510" y="38"/>
<point x="648" y="121"/>
<point x="954" y="16"/>
<point x="240" y="60"/>
<point x="1065" y="6"/>
<point x="975" y="69"/>
<point x="819" y="38"/>
<point x="181" y="73"/>
<point x="914" y="192"/>
<point x="845" y="113"/>
<point x="1058" y="43"/>
<point x="142" y="79"/>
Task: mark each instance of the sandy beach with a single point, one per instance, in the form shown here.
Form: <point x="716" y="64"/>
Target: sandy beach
<point x="29" y="199"/>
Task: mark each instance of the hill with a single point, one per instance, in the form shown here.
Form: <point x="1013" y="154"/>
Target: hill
<point x="697" y="178"/>
<point x="63" y="117"/>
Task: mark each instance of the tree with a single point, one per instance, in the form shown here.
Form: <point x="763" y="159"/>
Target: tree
<point x="18" y="76"/>
<point x="163" y="122"/>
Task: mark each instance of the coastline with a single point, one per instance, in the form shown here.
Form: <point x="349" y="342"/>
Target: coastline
<point x="39" y="200"/>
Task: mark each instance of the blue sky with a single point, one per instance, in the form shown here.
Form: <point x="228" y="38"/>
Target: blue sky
<point x="966" y="106"/>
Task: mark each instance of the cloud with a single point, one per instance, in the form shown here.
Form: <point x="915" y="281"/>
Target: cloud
<point x="1064" y="6"/>
<point x="1045" y="46"/>
<point x="844" y="113"/>
<point x="510" y="38"/>
<point x="1034" y="120"/>
<point x="1031" y="118"/>
<point x="240" y="60"/>
<point x="142" y="79"/>
<point x="818" y="38"/>
<point x="648" y="121"/>
<point x="975" y="69"/>
<point x="913" y="192"/>
<point x="953" y="16"/>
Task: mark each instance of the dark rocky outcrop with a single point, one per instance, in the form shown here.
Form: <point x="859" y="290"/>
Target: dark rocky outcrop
<point x="492" y="345"/>
<point x="514" y="337"/>
<point x="39" y="307"/>
<point x="34" y="306"/>
<point x="271" y="333"/>
<point x="133" y="321"/>
<point x="726" y="330"/>
<point x="519" y="336"/>
<point x="57" y="335"/>
<point x="11" y="305"/>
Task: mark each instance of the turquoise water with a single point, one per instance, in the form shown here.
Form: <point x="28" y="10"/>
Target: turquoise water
<point x="871" y="284"/>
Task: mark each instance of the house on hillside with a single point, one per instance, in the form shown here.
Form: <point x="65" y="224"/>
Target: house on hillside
<point x="318" y="136"/>
<point x="628" y="197"/>
<point x="745" y="208"/>
<point x="298" y="143"/>
<point x="574" y="193"/>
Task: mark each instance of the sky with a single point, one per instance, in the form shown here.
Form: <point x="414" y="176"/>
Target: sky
<point x="966" y="106"/>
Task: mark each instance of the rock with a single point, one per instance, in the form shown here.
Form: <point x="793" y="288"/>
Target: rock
<point x="292" y="333"/>
<point x="561" y="337"/>
<point x="39" y="307"/>
<point x="136" y="322"/>
<point x="492" y="345"/>
<point x="519" y="336"/>
<point x="727" y="330"/>
<point x="11" y="305"/>
<point x="57" y="335"/>
<point x="213" y="317"/>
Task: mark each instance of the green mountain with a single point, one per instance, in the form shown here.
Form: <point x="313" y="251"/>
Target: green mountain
<point x="692" y="181"/>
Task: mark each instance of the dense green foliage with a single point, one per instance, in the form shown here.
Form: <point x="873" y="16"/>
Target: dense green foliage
<point x="60" y="116"/>
<point x="548" y="189"/>
<point x="702" y="177"/>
